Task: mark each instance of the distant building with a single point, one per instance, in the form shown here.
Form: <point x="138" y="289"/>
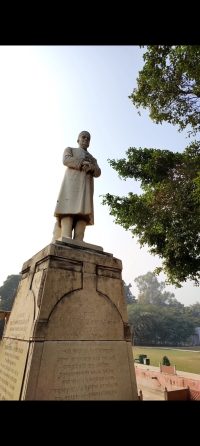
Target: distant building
<point x="195" y="339"/>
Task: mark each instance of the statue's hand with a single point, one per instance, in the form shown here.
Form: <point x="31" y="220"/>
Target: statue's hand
<point x="86" y="166"/>
<point x="91" y="168"/>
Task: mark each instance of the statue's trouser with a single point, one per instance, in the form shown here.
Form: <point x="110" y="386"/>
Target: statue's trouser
<point x="79" y="230"/>
<point x="66" y="229"/>
<point x="56" y="231"/>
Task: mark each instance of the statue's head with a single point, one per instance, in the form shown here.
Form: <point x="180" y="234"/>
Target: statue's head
<point x="84" y="139"/>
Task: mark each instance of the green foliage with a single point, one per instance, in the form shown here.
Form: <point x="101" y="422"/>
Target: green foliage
<point x="8" y="292"/>
<point x="165" y="361"/>
<point x="7" y="296"/>
<point x="130" y="299"/>
<point x="169" y="85"/>
<point x="158" y="318"/>
<point x="143" y="322"/>
<point x="194" y="310"/>
<point x="151" y="291"/>
<point x="166" y="215"/>
<point x="154" y="325"/>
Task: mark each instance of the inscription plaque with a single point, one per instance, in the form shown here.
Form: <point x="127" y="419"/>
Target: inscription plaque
<point x="84" y="370"/>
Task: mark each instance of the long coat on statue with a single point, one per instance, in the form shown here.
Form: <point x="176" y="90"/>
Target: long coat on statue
<point x="77" y="188"/>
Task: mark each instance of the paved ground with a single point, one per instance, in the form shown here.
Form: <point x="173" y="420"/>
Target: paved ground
<point x="180" y="373"/>
<point x="150" y="394"/>
<point x="154" y="395"/>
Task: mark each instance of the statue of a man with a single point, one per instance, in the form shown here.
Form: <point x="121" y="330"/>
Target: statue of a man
<point x="74" y="209"/>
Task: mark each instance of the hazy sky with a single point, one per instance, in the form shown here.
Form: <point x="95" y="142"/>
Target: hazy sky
<point x="49" y="94"/>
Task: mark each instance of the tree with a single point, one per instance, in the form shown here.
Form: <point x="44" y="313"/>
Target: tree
<point x="142" y="322"/>
<point x="8" y="291"/>
<point x="7" y="296"/>
<point x="130" y="299"/>
<point x="158" y="318"/>
<point x="169" y="85"/>
<point x="181" y="325"/>
<point x="195" y="310"/>
<point x="166" y="215"/>
<point x="151" y="291"/>
<point x="153" y="325"/>
<point x="165" y="361"/>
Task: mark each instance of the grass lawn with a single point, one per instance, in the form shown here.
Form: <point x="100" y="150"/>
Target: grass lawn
<point x="185" y="361"/>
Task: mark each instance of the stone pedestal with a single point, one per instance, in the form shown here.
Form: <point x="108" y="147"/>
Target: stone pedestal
<point x="68" y="335"/>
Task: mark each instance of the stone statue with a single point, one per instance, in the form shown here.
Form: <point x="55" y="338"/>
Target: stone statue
<point x="74" y="209"/>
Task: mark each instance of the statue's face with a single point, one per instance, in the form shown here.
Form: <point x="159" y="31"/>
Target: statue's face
<point x="84" y="140"/>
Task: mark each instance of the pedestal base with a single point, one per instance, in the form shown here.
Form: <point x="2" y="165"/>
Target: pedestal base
<point x="68" y="335"/>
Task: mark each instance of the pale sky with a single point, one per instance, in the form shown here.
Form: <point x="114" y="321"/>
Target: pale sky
<point x="48" y="95"/>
